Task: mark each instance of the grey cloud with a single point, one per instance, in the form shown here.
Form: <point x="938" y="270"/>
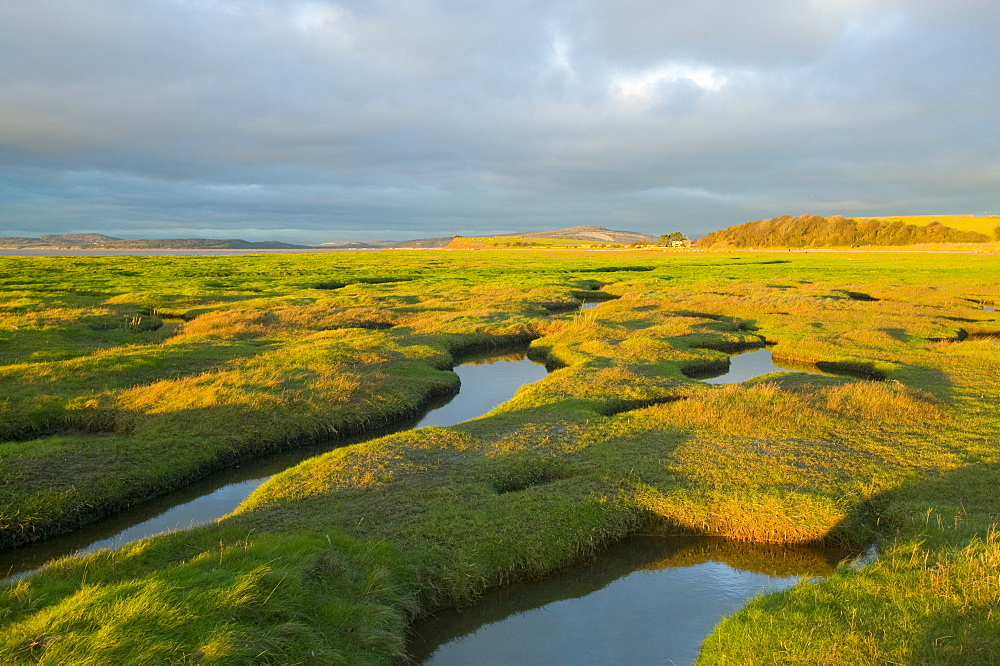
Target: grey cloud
<point x="321" y="120"/>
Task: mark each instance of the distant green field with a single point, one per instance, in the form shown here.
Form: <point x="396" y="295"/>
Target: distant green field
<point x="501" y="242"/>
<point x="125" y="377"/>
<point x="979" y="224"/>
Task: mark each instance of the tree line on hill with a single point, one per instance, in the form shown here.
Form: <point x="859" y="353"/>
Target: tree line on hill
<point x="836" y="231"/>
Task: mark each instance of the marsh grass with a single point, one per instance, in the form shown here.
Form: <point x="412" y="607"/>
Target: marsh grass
<point x="329" y="560"/>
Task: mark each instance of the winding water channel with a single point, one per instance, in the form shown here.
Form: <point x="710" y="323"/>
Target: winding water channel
<point x="487" y="380"/>
<point x="645" y="600"/>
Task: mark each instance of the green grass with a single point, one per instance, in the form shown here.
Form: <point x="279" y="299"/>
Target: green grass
<point x="330" y="560"/>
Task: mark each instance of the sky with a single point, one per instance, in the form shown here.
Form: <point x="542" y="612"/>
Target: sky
<point x="319" y="121"/>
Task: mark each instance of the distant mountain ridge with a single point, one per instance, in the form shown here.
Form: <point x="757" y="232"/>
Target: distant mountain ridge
<point x="835" y="231"/>
<point x="94" y="241"/>
<point x="77" y="238"/>
<point x="102" y="242"/>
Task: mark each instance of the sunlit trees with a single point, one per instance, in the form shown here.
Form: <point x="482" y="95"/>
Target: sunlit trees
<point x="836" y="231"/>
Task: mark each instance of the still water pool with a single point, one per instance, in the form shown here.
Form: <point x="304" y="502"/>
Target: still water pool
<point x="646" y="600"/>
<point x="750" y="364"/>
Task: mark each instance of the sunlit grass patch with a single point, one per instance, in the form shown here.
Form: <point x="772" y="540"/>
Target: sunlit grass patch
<point x="242" y="600"/>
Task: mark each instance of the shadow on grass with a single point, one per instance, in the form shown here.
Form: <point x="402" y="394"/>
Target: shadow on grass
<point x="929" y="597"/>
<point x="938" y="537"/>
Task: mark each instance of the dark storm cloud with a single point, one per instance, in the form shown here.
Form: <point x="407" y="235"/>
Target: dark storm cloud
<point x="314" y="120"/>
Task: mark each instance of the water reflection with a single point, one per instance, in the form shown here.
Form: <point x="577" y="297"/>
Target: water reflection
<point x="748" y="365"/>
<point x="487" y="381"/>
<point x="646" y="600"/>
<point x="199" y="503"/>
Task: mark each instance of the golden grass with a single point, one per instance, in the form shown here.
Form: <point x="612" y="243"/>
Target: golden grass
<point x="980" y="224"/>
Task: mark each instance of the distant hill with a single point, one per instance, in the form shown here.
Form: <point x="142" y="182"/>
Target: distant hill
<point x="77" y="238"/>
<point x="588" y="232"/>
<point x="585" y="233"/>
<point x="358" y="245"/>
<point x="421" y="244"/>
<point x="524" y="242"/>
<point x="836" y="231"/>
<point x="102" y="242"/>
